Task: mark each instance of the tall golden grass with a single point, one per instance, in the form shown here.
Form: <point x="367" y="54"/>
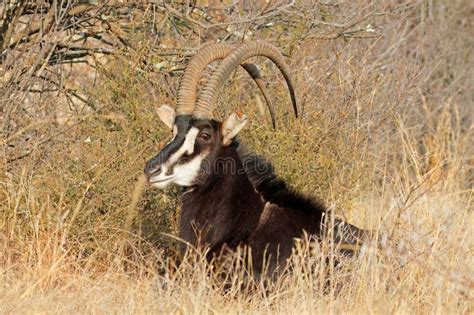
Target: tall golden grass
<point x="385" y="140"/>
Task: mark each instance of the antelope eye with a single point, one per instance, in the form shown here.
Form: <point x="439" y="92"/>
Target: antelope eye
<point x="204" y="136"/>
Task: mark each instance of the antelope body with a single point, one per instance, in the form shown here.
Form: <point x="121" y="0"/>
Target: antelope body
<point x="232" y="198"/>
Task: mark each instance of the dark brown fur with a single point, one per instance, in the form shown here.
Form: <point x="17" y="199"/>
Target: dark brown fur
<point x="242" y="202"/>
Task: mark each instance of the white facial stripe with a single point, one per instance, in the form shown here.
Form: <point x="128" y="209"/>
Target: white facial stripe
<point x="187" y="147"/>
<point x="188" y="144"/>
<point x="183" y="174"/>
<point x="186" y="173"/>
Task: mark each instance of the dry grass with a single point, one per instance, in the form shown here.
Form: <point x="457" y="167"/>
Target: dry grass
<point x="385" y="138"/>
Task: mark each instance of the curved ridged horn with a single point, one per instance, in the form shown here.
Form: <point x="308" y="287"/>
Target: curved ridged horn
<point x="188" y="85"/>
<point x="192" y="73"/>
<point x="209" y="93"/>
<point x="255" y="74"/>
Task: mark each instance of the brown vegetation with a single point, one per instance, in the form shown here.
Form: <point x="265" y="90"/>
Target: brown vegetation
<point x="386" y="135"/>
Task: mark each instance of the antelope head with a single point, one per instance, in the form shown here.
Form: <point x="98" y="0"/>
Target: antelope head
<point x="196" y="136"/>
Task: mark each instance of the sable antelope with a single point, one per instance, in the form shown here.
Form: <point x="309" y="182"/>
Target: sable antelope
<point x="224" y="207"/>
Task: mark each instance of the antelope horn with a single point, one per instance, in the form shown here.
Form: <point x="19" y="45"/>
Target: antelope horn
<point x="189" y="82"/>
<point x="255" y="74"/>
<point x="209" y="93"/>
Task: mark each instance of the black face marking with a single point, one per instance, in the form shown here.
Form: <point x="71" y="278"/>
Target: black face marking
<point x="182" y="122"/>
<point x="208" y="137"/>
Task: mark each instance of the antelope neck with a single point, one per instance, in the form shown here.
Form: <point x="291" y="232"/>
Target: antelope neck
<point x="228" y="199"/>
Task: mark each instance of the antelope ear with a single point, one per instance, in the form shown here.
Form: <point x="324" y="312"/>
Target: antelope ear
<point x="232" y="126"/>
<point x="167" y="115"/>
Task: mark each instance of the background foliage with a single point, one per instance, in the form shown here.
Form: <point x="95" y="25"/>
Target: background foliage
<point x="385" y="138"/>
